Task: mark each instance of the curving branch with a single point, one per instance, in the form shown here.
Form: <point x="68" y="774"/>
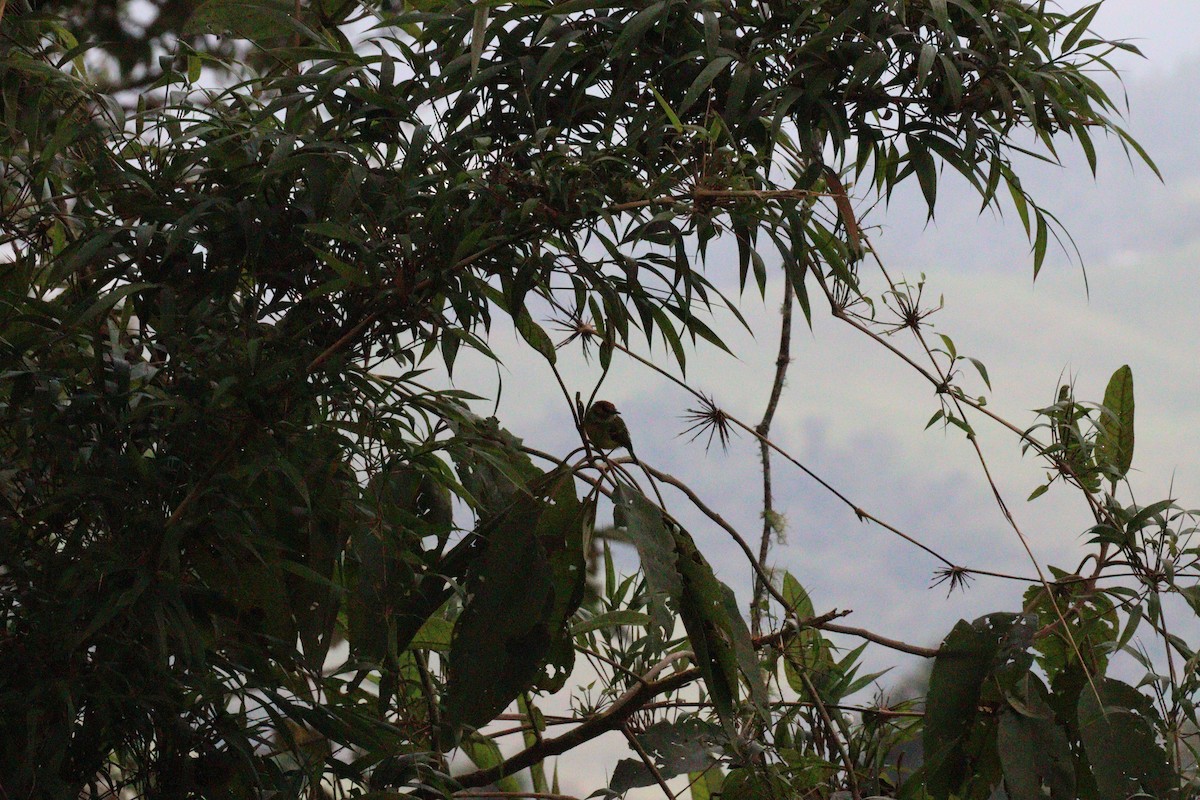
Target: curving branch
<point x="610" y="720"/>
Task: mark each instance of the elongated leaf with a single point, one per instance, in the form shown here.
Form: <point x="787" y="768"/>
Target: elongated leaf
<point x="536" y="336"/>
<point x="1114" y="442"/>
<point x="611" y="619"/>
<point x="257" y="20"/>
<point x="717" y="632"/>
<point x="485" y="754"/>
<point x="633" y="31"/>
<point x="703" y="81"/>
<point x="478" y="30"/>
<point x="643" y="521"/>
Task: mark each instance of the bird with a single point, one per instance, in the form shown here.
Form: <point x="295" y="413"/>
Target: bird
<point x="605" y="429"/>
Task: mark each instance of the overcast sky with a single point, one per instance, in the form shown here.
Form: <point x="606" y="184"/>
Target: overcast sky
<point x="855" y="415"/>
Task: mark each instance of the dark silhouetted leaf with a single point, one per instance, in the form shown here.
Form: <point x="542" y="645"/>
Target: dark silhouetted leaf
<point x="1118" y="733"/>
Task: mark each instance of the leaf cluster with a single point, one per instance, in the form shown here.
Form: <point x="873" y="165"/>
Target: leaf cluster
<point x="232" y="560"/>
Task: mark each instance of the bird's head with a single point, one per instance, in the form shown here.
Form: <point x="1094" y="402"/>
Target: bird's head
<point x="603" y="410"/>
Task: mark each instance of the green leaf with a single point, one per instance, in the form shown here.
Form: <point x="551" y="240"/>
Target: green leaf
<point x="702" y="82"/>
<point x="957" y="734"/>
<point x="643" y="522"/>
<point x="806" y="651"/>
<point x="478" y="30"/>
<point x="670" y="112"/>
<point x="762" y="782"/>
<point x="485" y="754"/>
<point x="435" y="634"/>
<point x="926" y="171"/>
<point x="925" y="63"/>
<point x="1192" y="595"/>
<point x="717" y="633"/>
<point x="703" y="785"/>
<point x="632" y="31"/>
<point x="1114" y="440"/>
<point x="1118" y="733"/>
<point x="535" y="725"/>
<point x="611" y="619"/>
<point x="536" y="336"/>
<point x="526" y="583"/>
<point x="107" y="302"/>
<point x="684" y="746"/>
<point x="1040" y="242"/>
<point x="983" y="373"/>
<point x="256" y="20"/>
<point x="1034" y="753"/>
<point x="490" y="463"/>
<point x="384" y="608"/>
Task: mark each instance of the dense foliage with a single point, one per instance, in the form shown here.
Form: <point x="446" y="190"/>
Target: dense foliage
<point x="231" y="558"/>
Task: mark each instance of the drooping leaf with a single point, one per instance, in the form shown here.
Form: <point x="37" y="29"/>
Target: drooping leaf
<point x="688" y="745"/>
<point x="717" y="632"/>
<point x="1118" y="732"/>
<point x="490" y="464"/>
<point x="384" y="605"/>
<point x="703" y="785"/>
<point x="526" y="584"/>
<point x="536" y="336"/>
<point x="958" y="736"/>
<point x="485" y="754"/>
<point x="256" y="20"/>
<point x="1036" y="756"/>
<point x="643" y="521"/>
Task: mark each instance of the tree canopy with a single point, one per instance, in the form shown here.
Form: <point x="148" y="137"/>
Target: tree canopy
<point x="249" y="549"/>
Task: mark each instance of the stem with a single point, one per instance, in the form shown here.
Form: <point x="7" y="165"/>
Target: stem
<point x="764" y="429"/>
<point x="851" y="776"/>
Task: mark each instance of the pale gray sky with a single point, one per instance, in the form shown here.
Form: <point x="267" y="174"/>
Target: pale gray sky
<point x="856" y="415"/>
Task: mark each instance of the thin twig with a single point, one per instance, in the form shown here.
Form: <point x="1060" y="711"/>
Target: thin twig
<point x="943" y="382"/>
<point x="724" y="525"/>
<point x="834" y="733"/>
<point x="648" y="761"/>
<point x="861" y="513"/>
<point x="764" y="429"/>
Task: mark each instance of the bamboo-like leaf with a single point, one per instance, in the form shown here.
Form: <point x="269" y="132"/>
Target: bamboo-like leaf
<point x="478" y="30"/>
<point x="1114" y="442"/>
<point x="536" y="336"/>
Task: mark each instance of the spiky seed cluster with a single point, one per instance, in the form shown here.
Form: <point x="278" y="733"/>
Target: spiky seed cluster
<point x="958" y="577"/>
<point x="709" y="418"/>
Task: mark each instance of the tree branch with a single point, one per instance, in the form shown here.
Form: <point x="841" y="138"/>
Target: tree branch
<point x="611" y="719"/>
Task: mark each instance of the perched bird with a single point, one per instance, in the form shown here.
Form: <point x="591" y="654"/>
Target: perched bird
<point x="605" y="429"/>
